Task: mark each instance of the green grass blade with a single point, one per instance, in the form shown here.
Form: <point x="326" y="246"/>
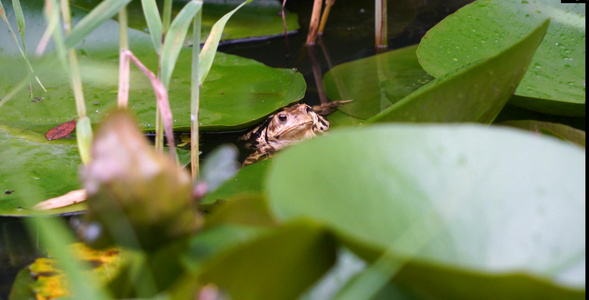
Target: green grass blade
<point x="167" y="16"/>
<point x="21" y="24"/>
<point x="195" y="97"/>
<point x="3" y="15"/>
<point x="52" y="14"/>
<point x="207" y="55"/>
<point x="154" y="22"/>
<point x="175" y="39"/>
<point x="104" y="11"/>
<point x="20" y="19"/>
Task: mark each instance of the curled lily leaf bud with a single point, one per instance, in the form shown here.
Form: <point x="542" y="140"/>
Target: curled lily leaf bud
<point x="136" y="196"/>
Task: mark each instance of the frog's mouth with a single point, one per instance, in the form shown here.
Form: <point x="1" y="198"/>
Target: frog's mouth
<point x="295" y="132"/>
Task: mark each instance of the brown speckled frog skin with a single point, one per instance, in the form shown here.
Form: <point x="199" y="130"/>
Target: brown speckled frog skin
<point x="288" y="126"/>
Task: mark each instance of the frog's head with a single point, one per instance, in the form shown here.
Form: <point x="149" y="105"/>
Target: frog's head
<point x="296" y="122"/>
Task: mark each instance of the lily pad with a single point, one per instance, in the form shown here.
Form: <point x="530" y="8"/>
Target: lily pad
<point x="237" y="93"/>
<point x="257" y="19"/>
<point x="555" y="82"/>
<point x="474" y="93"/>
<point x="286" y="261"/>
<point x="50" y="165"/>
<point x="247" y="180"/>
<point x="215" y="241"/>
<point x="375" y="82"/>
<point x="561" y="131"/>
<point x="458" y="205"/>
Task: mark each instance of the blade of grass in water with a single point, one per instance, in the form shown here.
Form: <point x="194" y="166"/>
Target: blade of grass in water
<point x="83" y="128"/>
<point x="201" y="64"/>
<point x="175" y="39"/>
<point x="195" y="97"/>
<point x="154" y="22"/>
<point x="159" y="136"/>
<point x="209" y="49"/>
<point x="20" y="19"/>
<point x="101" y="13"/>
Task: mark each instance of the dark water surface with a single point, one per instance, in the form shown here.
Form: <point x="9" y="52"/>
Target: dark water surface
<point x="349" y="35"/>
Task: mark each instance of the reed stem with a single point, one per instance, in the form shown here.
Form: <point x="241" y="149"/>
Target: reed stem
<point x="73" y="62"/>
<point x="328" y="5"/>
<point x="380" y="24"/>
<point x="159" y="125"/>
<point x="195" y="97"/>
<point x="314" y="24"/>
<point x="123" y="96"/>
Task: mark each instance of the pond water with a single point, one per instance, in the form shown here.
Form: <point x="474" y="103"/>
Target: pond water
<point x="349" y="35"/>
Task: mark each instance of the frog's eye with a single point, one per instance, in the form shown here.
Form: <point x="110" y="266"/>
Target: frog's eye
<point x="282" y="118"/>
<point x="309" y="109"/>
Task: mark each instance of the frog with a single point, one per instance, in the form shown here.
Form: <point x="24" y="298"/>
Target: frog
<point x="286" y="127"/>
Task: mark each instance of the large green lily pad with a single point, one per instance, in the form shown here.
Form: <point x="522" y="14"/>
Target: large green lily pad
<point x="258" y="19"/>
<point x="247" y="180"/>
<point x="237" y="93"/>
<point x="555" y="82"/>
<point x="474" y="93"/>
<point x="557" y="130"/>
<point x="281" y="264"/>
<point x="52" y="166"/>
<point x="459" y="205"/>
<point x="375" y="82"/>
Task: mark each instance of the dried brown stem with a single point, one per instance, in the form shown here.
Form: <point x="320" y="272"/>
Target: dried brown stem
<point x="328" y="5"/>
<point x="314" y="24"/>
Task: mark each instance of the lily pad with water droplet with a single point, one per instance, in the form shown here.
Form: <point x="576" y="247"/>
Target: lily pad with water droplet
<point x="555" y="81"/>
